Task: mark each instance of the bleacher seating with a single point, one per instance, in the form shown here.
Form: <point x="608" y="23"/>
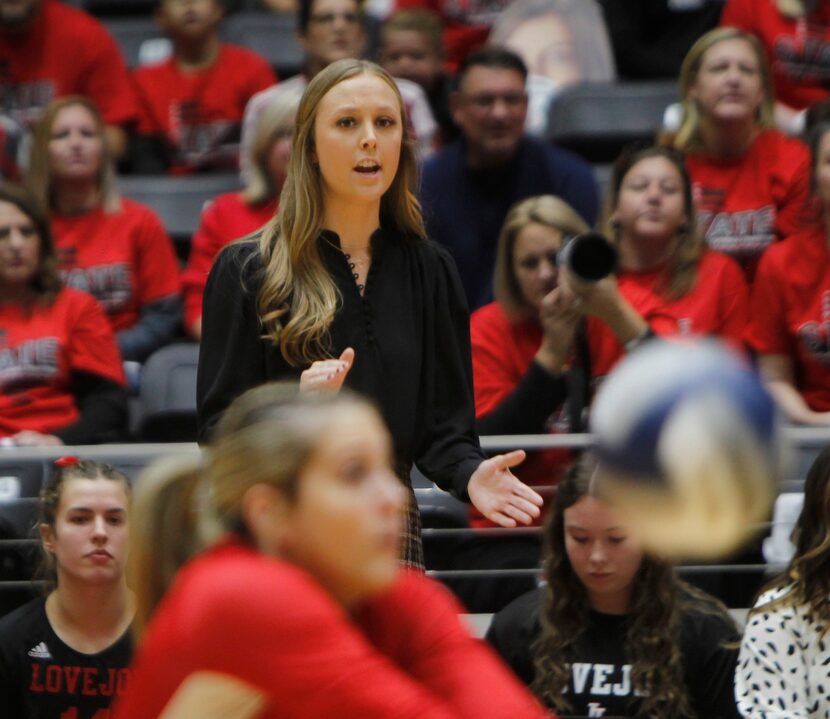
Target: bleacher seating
<point x="272" y="35"/>
<point x="597" y="120"/>
<point x="140" y="39"/>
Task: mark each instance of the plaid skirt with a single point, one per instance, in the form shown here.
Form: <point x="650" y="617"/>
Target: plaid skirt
<point x="412" y="549"/>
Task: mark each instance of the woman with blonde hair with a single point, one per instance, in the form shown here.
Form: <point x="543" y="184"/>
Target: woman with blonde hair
<point x="290" y="601"/>
<point x="343" y="286"/>
<point x="794" y="35"/>
<point x="236" y="214"/>
<point x="751" y="182"/>
<point x="109" y="246"/>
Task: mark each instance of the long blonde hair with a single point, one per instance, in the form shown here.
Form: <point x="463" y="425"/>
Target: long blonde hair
<point x="547" y="210"/>
<point x="182" y="506"/>
<point x="40" y="179"/>
<point x="298" y="299"/>
<point x="687" y="137"/>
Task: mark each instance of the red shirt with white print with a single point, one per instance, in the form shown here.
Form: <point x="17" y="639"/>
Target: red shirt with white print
<point x="39" y="351"/>
<point x="791" y="311"/>
<point x="746" y="204"/>
<point x="124" y="259"/>
<point x="716" y="305"/>
<point x="65" y="52"/>
<point x="798" y="49"/>
<point x="199" y="112"/>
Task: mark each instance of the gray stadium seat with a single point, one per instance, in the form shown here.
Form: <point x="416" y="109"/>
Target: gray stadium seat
<point x="168" y="394"/>
<point x="597" y="119"/>
<point x="139" y="38"/>
<point x="270" y="34"/>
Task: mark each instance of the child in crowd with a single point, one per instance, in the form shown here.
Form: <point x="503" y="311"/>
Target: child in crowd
<point x="412" y="48"/>
<point x="191" y="104"/>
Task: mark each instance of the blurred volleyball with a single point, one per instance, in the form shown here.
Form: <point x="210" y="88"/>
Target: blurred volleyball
<point x="689" y="449"/>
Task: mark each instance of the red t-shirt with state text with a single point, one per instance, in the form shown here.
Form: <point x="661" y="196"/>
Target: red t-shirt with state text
<point x="224" y="220"/>
<point x="502" y="353"/>
<point x="199" y="113"/>
<point x="798" y="50"/>
<point x="124" y="259"/>
<point x="791" y="311"/>
<point x="744" y="205"/>
<point x="40" y="349"/>
<point x="65" y="52"/>
<point x="716" y="305"/>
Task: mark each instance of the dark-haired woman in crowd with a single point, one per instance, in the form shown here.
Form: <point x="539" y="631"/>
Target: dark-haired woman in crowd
<point x="784" y="659"/>
<point x="751" y="181"/>
<point x="615" y="632"/>
<point x="61" y="380"/>
<point x="791" y="305"/>
<point x="343" y="285"/>
<point x="67" y="654"/>
<point x="109" y="246"/>
<point x="668" y="283"/>
<point x="293" y="603"/>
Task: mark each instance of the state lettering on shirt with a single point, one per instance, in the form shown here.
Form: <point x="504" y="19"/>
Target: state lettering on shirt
<point x="805" y="59"/>
<point x="30" y="362"/>
<point x="814" y="336"/>
<point x="24" y="102"/>
<point x="743" y="233"/>
<point x="198" y="141"/>
<point x="111" y="285"/>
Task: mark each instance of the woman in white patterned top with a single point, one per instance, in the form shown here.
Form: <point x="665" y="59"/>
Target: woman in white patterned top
<point x="784" y="666"/>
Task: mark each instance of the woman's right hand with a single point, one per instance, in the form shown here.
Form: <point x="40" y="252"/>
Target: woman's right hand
<point x="327" y="375"/>
<point x="558" y="314"/>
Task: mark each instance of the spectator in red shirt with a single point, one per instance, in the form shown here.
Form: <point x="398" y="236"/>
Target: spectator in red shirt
<point x="301" y="609"/>
<point x="61" y="380"/>
<point x="191" y="104"/>
<point x="236" y="214"/>
<point x="790" y="327"/>
<point x="668" y="282"/>
<point x="112" y="247"/>
<point x="48" y="50"/>
<point x="750" y="180"/>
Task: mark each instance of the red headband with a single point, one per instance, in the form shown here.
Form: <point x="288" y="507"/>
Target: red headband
<point x="67" y="461"/>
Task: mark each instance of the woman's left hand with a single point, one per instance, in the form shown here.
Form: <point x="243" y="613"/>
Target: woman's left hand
<point x="30" y="438"/>
<point x="496" y="492"/>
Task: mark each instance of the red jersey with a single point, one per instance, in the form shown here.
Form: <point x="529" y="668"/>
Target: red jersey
<point x="716" y="305"/>
<point x="39" y="351"/>
<point x="502" y="353"/>
<point x="270" y="625"/>
<point x="124" y="259"/>
<point x="224" y="220"/>
<point x="744" y="205"/>
<point x="65" y="52"/>
<point x="199" y="112"/>
<point x="791" y="311"/>
<point x="798" y="50"/>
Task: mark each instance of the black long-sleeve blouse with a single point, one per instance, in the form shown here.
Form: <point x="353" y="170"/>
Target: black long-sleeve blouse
<point x="410" y="332"/>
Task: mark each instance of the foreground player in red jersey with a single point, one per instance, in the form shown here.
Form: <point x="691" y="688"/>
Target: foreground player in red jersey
<point x="60" y="372"/>
<point x="300" y="608"/>
<point x="66" y="655"/>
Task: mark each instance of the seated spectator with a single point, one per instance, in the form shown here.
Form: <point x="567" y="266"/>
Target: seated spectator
<point x="522" y="344"/>
<point x="49" y="50"/>
<point x="191" y="104"/>
<point x="300" y="610"/>
<point x="330" y="30"/>
<point x="411" y="49"/>
<point x="562" y="42"/>
<point x="615" y="632"/>
<point x="751" y="182"/>
<point x="236" y="214"/>
<point x="650" y="39"/>
<point x="795" y="35"/>
<point x="466" y="24"/>
<point x="469" y="186"/>
<point x="784" y="654"/>
<point x="790" y="310"/>
<point x="112" y="247"/>
<point x="668" y="283"/>
<point x="61" y="380"/>
<point x="67" y="654"/>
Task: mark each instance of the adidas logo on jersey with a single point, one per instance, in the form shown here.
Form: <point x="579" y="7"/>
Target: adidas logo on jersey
<point x="41" y="651"/>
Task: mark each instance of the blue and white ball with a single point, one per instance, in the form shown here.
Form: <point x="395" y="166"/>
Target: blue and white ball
<point x="688" y="446"/>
